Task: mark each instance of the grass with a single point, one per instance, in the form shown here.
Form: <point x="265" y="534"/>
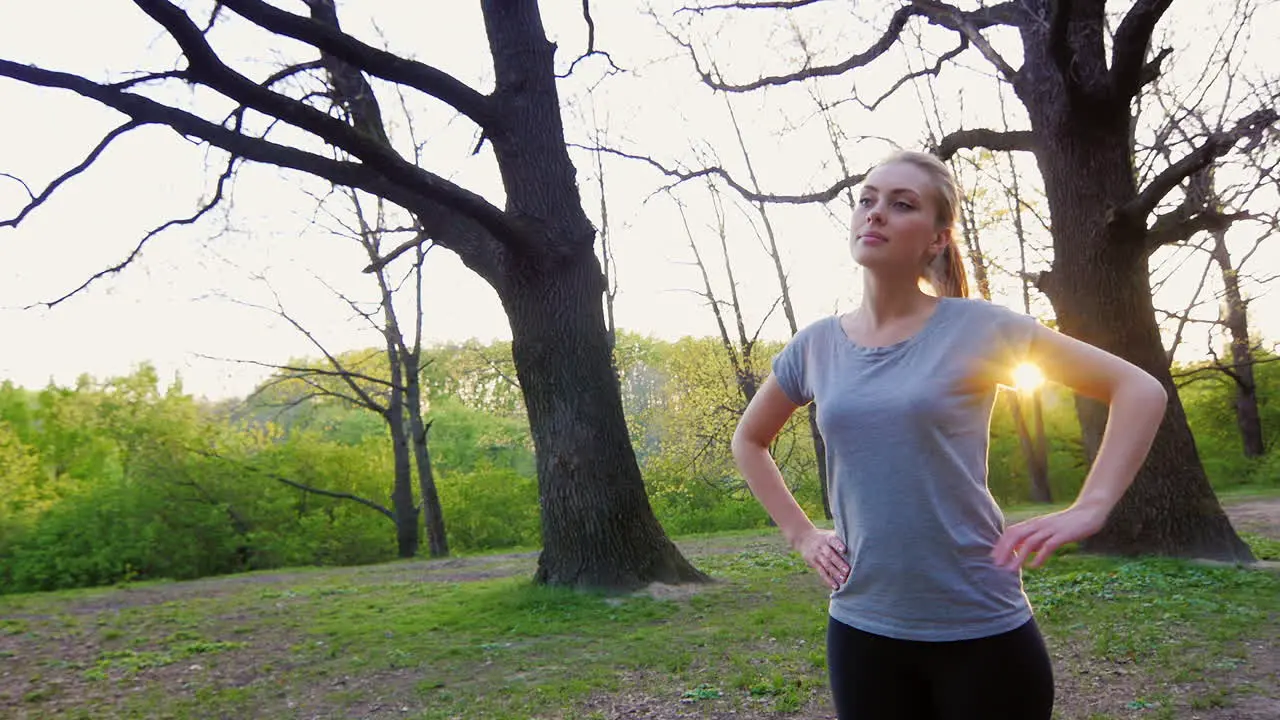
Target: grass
<point x="383" y="642"/>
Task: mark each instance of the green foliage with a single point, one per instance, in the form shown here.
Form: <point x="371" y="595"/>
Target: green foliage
<point x="1008" y="476"/>
<point x="489" y="508"/>
<point x="683" y="403"/>
<point x="118" y="481"/>
<point x="1210" y="400"/>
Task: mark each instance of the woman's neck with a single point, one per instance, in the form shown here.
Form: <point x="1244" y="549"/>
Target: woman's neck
<point x="885" y="301"/>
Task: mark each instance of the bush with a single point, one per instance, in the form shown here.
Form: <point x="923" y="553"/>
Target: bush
<point x="490" y="508"/>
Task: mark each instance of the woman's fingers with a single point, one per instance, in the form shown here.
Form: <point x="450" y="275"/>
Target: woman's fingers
<point x="825" y="556"/>
<point x="1005" y="553"/>
<point x="1052" y="544"/>
<point x="1035" y="543"/>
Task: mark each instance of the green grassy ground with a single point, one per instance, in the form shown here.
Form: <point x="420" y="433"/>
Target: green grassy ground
<point x="473" y="638"/>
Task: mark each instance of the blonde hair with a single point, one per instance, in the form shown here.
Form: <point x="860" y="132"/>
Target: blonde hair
<point x="945" y="271"/>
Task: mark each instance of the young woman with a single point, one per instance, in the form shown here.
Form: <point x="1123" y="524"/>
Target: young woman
<point x="928" y="618"/>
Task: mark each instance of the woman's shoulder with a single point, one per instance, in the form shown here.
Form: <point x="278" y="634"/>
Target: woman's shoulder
<point x="982" y="309"/>
<point x="817" y="329"/>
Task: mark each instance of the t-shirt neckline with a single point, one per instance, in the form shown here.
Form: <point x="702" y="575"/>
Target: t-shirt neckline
<point x="925" y="330"/>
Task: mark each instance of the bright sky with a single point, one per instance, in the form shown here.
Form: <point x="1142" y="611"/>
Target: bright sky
<point x="185" y="297"/>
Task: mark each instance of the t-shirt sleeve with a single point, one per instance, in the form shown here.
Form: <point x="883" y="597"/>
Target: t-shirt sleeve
<point x="1015" y="333"/>
<point x="790" y="368"/>
<point x="1009" y="339"/>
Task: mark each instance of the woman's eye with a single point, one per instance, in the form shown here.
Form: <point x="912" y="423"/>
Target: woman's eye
<point x="864" y="202"/>
<point x="904" y="205"/>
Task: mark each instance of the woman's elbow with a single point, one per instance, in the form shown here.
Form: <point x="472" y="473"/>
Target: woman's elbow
<point x="1148" y="390"/>
<point x="746" y="442"/>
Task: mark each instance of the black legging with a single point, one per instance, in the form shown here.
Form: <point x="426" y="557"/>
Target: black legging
<point x="1002" y="677"/>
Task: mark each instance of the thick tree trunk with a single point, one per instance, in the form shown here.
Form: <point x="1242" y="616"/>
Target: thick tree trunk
<point x="1100" y="283"/>
<point x="598" y="528"/>
<point x="1101" y="293"/>
<point x="1236" y="317"/>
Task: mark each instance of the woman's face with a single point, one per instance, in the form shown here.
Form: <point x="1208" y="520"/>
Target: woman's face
<point x="895" y="223"/>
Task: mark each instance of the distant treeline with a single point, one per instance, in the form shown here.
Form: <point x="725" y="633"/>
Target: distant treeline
<point x="116" y="480"/>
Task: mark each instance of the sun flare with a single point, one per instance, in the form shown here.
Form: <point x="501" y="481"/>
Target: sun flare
<point x="1027" y="378"/>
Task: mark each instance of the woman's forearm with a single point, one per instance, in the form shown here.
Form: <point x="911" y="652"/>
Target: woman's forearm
<point x="1136" y="409"/>
<point x="766" y="483"/>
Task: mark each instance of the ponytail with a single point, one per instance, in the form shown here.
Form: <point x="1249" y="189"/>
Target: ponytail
<point x="945" y="272"/>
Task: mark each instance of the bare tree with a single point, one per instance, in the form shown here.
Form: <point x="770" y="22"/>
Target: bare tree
<point x="351" y="382"/>
<point x="784" y="288"/>
<point x="1232" y="318"/>
<point x="537" y="251"/>
<point x="1078" y="98"/>
<point x="405" y="363"/>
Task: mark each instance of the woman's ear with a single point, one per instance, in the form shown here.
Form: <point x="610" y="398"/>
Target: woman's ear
<point x="940" y="242"/>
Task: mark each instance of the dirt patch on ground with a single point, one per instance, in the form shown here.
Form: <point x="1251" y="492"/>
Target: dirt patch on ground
<point x="1257" y="516"/>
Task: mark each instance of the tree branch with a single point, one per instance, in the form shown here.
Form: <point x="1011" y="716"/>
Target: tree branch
<point x="934" y="71"/>
<point x="295" y="484"/>
<point x="149" y="77"/>
<point x="330" y="493"/>
<point x="1057" y="39"/>
<point x="1129" y="50"/>
<point x="37" y="201"/>
<point x="208" y="69"/>
<point x="682" y="176"/>
<point x="1010" y="141"/>
<point x="1178" y="226"/>
<point x="763" y="5"/>
<point x="1218" y="144"/>
<point x="380" y="63"/>
<point x="339" y="370"/>
<point x="970" y="25"/>
<point x="1153" y="69"/>
<point x="423" y="194"/>
<point x="591" y="44"/>
<point x="878" y="48"/>
<point x="204" y="209"/>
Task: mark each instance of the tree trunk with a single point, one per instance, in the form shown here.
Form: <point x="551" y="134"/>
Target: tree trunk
<point x="820" y="456"/>
<point x="432" y="513"/>
<point x="1101" y="294"/>
<point x="1032" y="448"/>
<point x="969" y="231"/>
<point x="402" y="489"/>
<point x="1100" y="288"/>
<point x="598" y="528"/>
<point x="1236" y="317"/>
<point x="1041" y="447"/>
<point x="784" y="287"/>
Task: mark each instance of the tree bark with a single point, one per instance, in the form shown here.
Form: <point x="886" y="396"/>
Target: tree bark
<point x="598" y="528"/>
<point x="820" y="456"/>
<point x="1101" y="291"/>
<point x="432" y="513"/>
<point x="1170" y="509"/>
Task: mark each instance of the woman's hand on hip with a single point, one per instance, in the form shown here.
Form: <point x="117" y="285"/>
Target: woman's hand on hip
<point x="823" y="551"/>
<point x="1042" y="535"/>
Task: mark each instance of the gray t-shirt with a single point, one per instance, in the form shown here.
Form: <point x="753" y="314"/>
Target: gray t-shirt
<point x="906" y="428"/>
